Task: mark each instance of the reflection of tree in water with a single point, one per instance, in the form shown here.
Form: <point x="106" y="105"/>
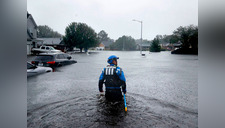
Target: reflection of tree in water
<point x="110" y="113"/>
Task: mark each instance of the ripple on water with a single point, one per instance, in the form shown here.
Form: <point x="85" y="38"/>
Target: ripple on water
<point x="95" y="111"/>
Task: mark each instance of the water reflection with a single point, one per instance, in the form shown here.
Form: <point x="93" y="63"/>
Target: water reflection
<point x="111" y="113"/>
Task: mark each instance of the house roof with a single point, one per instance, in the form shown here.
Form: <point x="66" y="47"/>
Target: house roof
<point x="144" y="44"/>
<point x="32" y="19"/>
<point x="52" y="41"/>
<point x="138" y="41"/>
<point x="101" y="44"/>
<point x="107" y="43"/>
<point x="177" y="44"/>
<point x="29" y="16"/>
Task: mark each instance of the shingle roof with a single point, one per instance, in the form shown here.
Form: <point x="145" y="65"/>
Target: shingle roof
<point x="29" y="17"/>
<point x="32" y="19"/>
<point x="144" y="44"/>
<point x="54" y="41"/>
<point x="107" y="43"/>
<point x="177" y="44"/>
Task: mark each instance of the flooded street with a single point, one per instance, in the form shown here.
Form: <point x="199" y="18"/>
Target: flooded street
<point x="162" y="91"/>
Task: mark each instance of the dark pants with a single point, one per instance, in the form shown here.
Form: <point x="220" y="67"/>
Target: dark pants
<point x="113" y="94"/>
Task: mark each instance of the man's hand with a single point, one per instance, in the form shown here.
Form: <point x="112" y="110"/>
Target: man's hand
<point x="101" y="93"/>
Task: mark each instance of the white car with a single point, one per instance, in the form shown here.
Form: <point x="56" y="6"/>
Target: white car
<point x="35" y="70"/>
<point x="44" y="49"/>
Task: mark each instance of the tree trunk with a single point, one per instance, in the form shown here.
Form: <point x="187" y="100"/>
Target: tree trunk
<point x="81" y="49"/>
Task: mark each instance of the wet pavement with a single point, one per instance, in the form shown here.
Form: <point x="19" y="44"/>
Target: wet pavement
<point x="162" y="91"/>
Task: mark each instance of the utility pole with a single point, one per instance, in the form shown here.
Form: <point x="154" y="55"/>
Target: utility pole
<point x="141" y="35"/>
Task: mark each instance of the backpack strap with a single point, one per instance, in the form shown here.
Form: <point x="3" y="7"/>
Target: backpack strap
<point x="109" y="70"/>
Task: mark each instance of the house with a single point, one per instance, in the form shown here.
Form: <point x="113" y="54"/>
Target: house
<point x="171" y="47"/>
<point x="176" y="45"/>
<point x="31" y="34"/>
<point x="101" y="46"/>
<point x="57" y="43"/>
<point x="107" y="44"/>
<point x="145" y="45"/>
<point x="166" y="46"/>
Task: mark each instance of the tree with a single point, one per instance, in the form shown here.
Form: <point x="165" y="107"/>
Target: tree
<point x="124" y="43"/>
<point x="44" y="31"/>
<point x="173" y="39"/>
<point x="194" y="39"/>
<point x="155" y="47"/>
<point x="167" y="39"/>
<point x="103" y="36"/>
<point x="188" y="36"/>
<point x="80" y="35"/>
<point x="159" y="37"/>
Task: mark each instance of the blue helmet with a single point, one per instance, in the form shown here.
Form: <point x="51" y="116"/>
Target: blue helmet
<point x="111" y="58"/>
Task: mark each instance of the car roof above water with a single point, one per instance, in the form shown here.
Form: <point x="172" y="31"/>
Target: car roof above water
<point x="50" y="54"/>
<point x="53" y="55"/>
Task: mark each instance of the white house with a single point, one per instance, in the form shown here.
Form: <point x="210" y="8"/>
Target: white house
<point x="100" y="47"/>
<point x="31" y="33"/>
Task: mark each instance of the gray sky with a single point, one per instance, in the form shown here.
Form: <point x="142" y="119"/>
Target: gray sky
<point x="115" y="16"/>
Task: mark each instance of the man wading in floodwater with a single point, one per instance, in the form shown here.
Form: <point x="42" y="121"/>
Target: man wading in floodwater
<point x="114" y="79"/>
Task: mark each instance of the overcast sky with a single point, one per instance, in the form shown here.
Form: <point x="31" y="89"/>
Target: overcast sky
<point x="115" y="16"/>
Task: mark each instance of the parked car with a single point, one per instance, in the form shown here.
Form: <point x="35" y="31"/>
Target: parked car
<point x="53" y="60"/>
<point x="44" y="49"/>
<point x="35" y="70"/>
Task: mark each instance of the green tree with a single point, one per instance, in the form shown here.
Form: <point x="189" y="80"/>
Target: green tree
<point x="194" y="39"/>
<point x="44" y="31"/>
<point x="173" y="39"/>
<point x="155" y="47"/>
<point x="159" y="37"/>
<point x="103" y="36"/>
<point x="80" y="35"/>
<point x="188" y="36"/>
<point x="124" y="43"/>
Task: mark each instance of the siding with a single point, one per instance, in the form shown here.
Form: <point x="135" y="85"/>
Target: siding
<point x="31" y="27"/>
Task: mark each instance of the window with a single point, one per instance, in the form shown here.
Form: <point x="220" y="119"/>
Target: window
<point x="42" y="47"/>
<point x="30" y="66"/>
<point x="65" y="56"/>
<point x="31" y="31"/>
<point x="44" y="58"/>
<point x="62" y="56"/>
<point x="47" y="48"/>
<point x="58" y="57"/>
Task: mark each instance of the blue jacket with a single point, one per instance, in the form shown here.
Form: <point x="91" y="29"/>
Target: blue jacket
<point x="120" y="75"/>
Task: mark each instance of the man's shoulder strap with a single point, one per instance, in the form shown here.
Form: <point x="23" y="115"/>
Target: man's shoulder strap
<point x="119" y="70"/>
<point x="109" y="70"/>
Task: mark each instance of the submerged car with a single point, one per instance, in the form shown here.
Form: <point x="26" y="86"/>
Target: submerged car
<point x="35" y="70"/>
<point x="53" y="60"/>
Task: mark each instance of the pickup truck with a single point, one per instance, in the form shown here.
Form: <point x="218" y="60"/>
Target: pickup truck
<point x="44" y="49"/>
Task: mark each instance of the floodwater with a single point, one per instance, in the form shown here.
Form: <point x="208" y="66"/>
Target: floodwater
<point x="162" y="91"/>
